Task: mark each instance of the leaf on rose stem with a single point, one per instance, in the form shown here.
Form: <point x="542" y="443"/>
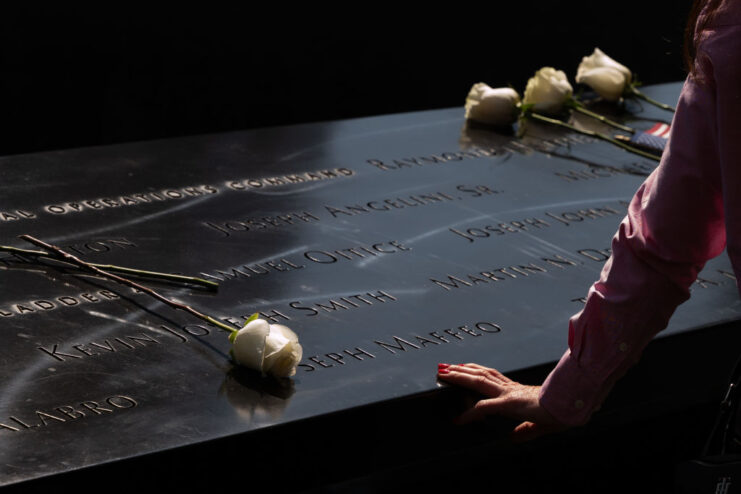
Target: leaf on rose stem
<point x="521" y="125"/>
<point x="251" y="318"/>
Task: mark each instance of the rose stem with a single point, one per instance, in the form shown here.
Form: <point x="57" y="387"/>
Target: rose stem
<point x="211" y="285"/>
<point x="89" y="267"/>
<point x="580" y="108"/>
<point x="554" y="121"/>
<point x="635" y="92"/>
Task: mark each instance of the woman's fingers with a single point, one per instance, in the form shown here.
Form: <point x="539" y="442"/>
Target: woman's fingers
<point x="488" y="370"/>
<point x="476" y="381"/>
<point x="476" y="370"/>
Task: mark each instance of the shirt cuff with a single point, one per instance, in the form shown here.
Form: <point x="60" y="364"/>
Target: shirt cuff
<point x="568" y="394"/>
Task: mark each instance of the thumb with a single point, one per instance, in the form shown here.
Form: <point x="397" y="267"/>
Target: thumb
<point x="527" y="431"/>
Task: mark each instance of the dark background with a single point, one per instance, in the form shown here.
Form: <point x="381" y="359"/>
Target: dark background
<point x="75" y="76"/>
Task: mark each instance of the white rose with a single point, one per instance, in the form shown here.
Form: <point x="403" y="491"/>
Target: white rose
<point x="492" y="106"/>
<point x="548" y="90"/>
<point x="269" y="348"/>
<point x="603" y="74"/>
<point x="599" y="59"/>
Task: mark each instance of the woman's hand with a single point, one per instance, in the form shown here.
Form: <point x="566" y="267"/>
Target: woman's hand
<point x="503" y="397"/>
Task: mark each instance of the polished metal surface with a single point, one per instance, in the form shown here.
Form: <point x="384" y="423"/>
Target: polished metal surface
<point x="388" y="244"/>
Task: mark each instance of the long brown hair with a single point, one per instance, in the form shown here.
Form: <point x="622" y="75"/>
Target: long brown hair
<point x="690" y="40"/>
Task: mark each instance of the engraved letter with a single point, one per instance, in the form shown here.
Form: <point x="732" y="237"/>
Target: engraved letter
<point x="399" y="346"/>
<point x="95" y="407"/>
<point x="461" y="234"/>
<point x="358" y="352"/>
<point x="70" y="412"/>
<point x="121" y="401"/>
<point x="381" y="295"/>
<point x="43" y="416"/>
<point x="273" y="315"/>
<point x="336" y="357"/>
<point x="493" y="328"/>
<point x="453" y="282"/>
<point x="295" y="305"/>
<point x="57" y="355"/>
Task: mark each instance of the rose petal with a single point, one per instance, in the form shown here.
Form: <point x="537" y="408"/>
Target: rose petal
<point x="548" y="90"/>
<point x="285" y="331"/>
<point x="492" y="106"/>
<point x="282" y="351"/>
<point x="607" y="82"/>
<point x="283" y="363"/>
<point x="249" y="345"/>
<point x="603" y="74"/>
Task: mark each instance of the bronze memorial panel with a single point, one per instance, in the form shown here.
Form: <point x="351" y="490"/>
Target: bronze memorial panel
<point x="387" y="244"/>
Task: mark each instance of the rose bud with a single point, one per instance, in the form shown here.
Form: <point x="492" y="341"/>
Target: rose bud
<point x="604" y="75"/>
<point x="548" y="90"/>
<point x="492" y="106"/>
<point x="269" y="348"/>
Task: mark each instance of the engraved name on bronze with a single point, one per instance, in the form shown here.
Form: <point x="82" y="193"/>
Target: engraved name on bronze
<point x="394" y="344"/>
<point x="16" y="215"/>
<point x="514" y="226"/>
<point x="284" y="265"/>
<point x="227" y="228"/>
<point x="289" y="179"/>
<point x="552" y="144"/>
<point x="475" y="152"/>
<point x="388" y="204"/>
<point x="432" y="159"/>
<point x="546" y="145"/>
<point x="189" y="192"/>
<point x="40" y="305"/>
<point x="344" y="303"/>
<point x="77" y="351"/>
<point x="281" y="265"/>
<point x="566" y="218"/>
<point x="501" y="274"/>
<point x="595" y="172"/>
<point x="136" y="199"/>
<point x="569" y="218"/>
<point x="412" y="201"/>
<point x="597" y="255"/>
<point x="355" y="252"/>
<point x="99" y="246"/>
<point x="311" y="309"/>
<point x="67" y="413"/>
<point x="273" y="316"/>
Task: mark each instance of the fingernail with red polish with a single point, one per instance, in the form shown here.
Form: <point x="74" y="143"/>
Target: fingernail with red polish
<point x="443" y="371"/>
<point x="443" y="366"/>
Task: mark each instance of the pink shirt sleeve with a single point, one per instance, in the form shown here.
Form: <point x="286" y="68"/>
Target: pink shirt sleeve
<point x="678" y="219"/>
